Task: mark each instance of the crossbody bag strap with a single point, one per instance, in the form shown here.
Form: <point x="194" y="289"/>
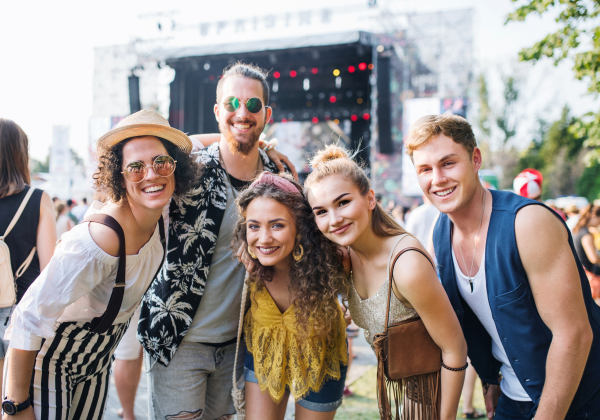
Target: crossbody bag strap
<point x="391" y="279"/>
<point x="102" y="323"/>
<point x="15" y="218"/>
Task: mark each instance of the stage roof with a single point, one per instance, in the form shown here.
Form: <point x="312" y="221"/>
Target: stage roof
<point x="268" y="45"/>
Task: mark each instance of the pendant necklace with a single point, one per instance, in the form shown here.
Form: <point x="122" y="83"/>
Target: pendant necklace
<point x="476" y="243"/>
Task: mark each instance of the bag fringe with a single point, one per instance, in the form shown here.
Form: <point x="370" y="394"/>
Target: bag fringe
<point x="415" y="398"/>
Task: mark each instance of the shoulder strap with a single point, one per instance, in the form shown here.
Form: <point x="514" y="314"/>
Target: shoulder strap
<point x="391" y="279"/>
<point x="15" y="218"/>
<point x="102" y="323"/>
<point x="238" y="399"/>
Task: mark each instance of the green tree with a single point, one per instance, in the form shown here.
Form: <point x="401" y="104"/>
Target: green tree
<point x="578" y="37"/>
<point x="508" y="119"/>
<point x="39" y="166"/>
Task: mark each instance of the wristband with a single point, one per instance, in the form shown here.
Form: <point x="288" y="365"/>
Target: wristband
<point x="455" y="369"/>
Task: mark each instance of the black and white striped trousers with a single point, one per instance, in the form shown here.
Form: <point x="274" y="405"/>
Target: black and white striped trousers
<point x="72" y="371"/>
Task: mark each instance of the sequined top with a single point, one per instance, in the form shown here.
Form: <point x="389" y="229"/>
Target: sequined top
<point x="369" y="313"/>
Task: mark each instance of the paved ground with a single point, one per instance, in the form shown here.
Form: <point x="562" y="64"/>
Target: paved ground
<point x="365" y="358"/>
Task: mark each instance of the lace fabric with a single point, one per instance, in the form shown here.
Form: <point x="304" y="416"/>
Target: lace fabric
<point x="284" y="360"/>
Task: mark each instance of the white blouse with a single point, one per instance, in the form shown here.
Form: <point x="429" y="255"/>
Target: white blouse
<point x="77" y="284"/>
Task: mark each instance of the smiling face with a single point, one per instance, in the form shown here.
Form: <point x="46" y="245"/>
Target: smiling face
<point x="342" y="213"/>
<point x="154" y="191"/>
<point x="270" y="231"/>
<point x="241" y="128"/>
<point x="447" y="173"/>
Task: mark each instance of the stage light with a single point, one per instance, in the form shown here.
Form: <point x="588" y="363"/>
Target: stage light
<point x="362" y="66"/>
<point x="371" y="66"/>
<point x="315" y="120"/>
<point x="211" y="77"/>
<point x="351" y="69"/>
<point x="271" y="121"/>
<point x="336" y="121"/>
<point x="359" y="101"/>
<point x="314" y="70"/>
<point x="353" y="117"/>
<point x="275" y="86"/>
<point x="293" y="73"/>
<point x="306" y="84"/>
<point x="207" y="66"/>
<point x="336" y="72"/>
<point x="338" y="82"/>
<point x="283" y="120"/>
<point x="276" y="74"/>
<point x="332" y="99"/>
<point x="366" y="116"/>
<point x="308" y="104"/>
<point x="380" y="48"/>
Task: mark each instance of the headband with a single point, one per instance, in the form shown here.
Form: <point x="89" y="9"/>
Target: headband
<point x="279" y="182"/>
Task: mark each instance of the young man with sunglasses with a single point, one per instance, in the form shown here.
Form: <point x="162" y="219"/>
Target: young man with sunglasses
<point x="510" y="269"/>
<point x="189" y="317"/>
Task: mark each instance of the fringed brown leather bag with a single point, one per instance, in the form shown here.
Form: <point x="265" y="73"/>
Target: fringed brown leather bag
<point x="408" y="366"/>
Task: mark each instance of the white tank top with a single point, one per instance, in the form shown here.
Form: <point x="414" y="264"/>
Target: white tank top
<point x="479" y="304"/>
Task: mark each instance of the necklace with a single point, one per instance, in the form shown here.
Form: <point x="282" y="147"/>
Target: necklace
<point x="235" y="192"/>
<point x="469" y="276"/>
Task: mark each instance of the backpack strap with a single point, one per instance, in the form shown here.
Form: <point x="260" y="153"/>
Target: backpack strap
<point x="102" y="323"/>
<point x="12" y="224"/>
<point x="15" y="218"/>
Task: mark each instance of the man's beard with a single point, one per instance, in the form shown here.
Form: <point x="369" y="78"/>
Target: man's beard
<point x="236" y="147"/>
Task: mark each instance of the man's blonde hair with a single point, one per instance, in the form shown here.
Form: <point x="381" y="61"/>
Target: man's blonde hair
<point x="453" y="126"/>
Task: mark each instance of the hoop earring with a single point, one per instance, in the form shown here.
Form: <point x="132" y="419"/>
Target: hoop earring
<point x="298" y="254"/>
<point x="251" y="253"/>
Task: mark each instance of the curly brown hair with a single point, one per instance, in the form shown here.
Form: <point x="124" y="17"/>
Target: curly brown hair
<point x="109" y="180"/>
<point x="317" y="278"/>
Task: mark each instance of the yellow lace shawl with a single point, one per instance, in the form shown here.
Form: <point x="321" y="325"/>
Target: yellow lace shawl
<point x="281" y="359"/>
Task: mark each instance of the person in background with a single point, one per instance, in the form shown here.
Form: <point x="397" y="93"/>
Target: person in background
<point x="63" y="221"/>
<point x="572" y="216"/>
<point x="70" y="206"/>
<point x="421" y="219"/>
<point x="79" y="210"/>
<point x="36" y="227"/>
<point x="586" y="250"/>
<point x="528" y="184"/>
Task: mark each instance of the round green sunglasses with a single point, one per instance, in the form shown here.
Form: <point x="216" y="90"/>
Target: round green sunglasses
<point x="232" y="104"/>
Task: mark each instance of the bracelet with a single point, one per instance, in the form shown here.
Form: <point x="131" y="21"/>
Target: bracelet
<point x="455" y="369"/>
<point x="272" y="144"/>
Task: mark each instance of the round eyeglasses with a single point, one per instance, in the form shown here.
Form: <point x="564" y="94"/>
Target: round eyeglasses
<point x="232" y="104"/>
<point x="137" y="171"/>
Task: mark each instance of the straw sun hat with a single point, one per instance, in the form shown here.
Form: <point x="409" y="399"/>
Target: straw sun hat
<point x="145" y="123"/>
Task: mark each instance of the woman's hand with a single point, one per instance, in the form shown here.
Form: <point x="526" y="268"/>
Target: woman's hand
<point x="26" y="414"/>
<point x="279" y="159"/>
<point x="244" y="258"/>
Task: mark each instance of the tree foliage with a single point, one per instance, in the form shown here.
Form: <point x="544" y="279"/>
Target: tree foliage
<point x="578" y="37"/>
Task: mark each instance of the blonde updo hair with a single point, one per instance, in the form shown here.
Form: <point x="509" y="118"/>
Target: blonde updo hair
<point x="335" y="160"/>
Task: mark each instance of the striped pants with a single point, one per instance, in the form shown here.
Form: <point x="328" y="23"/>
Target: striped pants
<point x="72" y="371"/>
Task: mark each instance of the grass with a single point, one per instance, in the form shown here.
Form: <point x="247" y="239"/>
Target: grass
<point x="363" y="404"/>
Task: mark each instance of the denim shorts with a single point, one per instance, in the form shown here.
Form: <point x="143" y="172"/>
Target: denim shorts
<point x="329" y="398"/>
<point x="5" y="314"/>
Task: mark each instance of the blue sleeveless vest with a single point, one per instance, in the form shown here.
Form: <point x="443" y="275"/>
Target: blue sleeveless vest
<point x="525" y="337"/>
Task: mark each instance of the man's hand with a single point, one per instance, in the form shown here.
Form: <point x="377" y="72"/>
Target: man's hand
<point x="279" y="159"/>
<point x="347" y="316"/>
<point x="244" y="258"/>
<point x="491" y="394"/>
<point x="26" y="414"/>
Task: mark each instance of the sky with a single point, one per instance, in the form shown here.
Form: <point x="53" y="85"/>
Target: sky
<point x="47" y="51"/>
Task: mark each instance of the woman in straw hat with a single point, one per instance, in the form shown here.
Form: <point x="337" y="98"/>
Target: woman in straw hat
<point x="67" y="326"/>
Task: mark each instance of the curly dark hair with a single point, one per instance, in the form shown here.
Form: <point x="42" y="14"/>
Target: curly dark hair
<point x="316" y="280"/>
<point x="109" y="180"/>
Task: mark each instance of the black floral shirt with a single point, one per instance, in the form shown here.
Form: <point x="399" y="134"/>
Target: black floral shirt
<point x="170" y="304"/>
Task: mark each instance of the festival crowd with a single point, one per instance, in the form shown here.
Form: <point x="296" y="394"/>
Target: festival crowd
<point x="208" y="263"/>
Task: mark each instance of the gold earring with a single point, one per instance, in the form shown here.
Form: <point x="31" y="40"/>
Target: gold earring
<point x="251" y="253"/>
<point x="298" y="254"/>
